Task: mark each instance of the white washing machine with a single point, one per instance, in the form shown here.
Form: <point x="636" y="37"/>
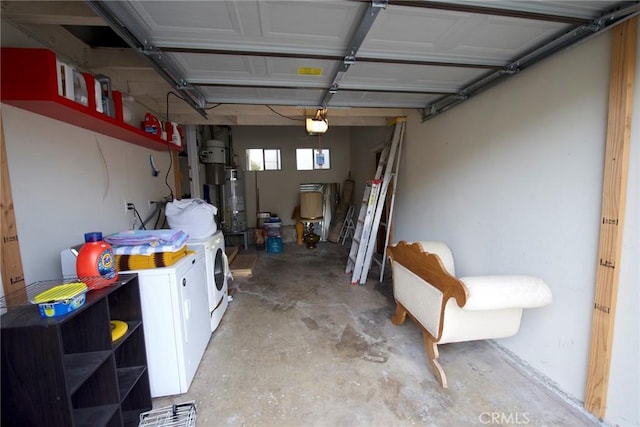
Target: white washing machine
<point x="176" y="323"/>
<point x="217" y="267"/>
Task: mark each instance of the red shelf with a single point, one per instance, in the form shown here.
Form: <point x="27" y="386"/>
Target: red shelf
<point x="29" y="82"/>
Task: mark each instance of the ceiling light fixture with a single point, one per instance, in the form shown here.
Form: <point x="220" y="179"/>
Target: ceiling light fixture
<point x="318" y="124"/>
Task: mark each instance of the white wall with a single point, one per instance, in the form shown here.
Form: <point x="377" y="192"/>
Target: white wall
<point x="11" y="36"/>
<point x="512" y="181"/>
<point x="365" y="142"/>
<point x="66" y="181"/>
<point x="279" y="190"/>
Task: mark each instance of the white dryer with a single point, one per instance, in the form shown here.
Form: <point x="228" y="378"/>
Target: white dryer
<point x="217" y="267"/>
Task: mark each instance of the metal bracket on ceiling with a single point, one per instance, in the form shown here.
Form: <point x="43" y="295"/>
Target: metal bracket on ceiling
<point x="180" y="83"/>
<point x="461" y="95"/>
<point x="160" y="62"/>
<point x="594" y="27"/>
<point x="364" y="25"/>
<point x="511" y="68"/>
<point x="148" y="49"/>
<point x="185" y="85"/>
<point x="349" y="60"/>
<point x="379" y="3"/>
<point x="577" y="34"/>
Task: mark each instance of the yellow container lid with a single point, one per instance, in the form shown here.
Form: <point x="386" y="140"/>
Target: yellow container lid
<point x="60" y="292"/>
<point x="118" y="329"/>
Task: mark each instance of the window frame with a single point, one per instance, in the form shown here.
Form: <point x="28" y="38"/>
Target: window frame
<point x="314" y="152"/>
<point x="265" y="162"/>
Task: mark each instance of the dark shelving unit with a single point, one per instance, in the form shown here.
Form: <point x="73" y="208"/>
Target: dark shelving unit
<point x="66" y="371"/>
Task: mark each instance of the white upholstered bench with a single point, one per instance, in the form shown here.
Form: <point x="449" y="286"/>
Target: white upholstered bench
<point x="450" y="309"/>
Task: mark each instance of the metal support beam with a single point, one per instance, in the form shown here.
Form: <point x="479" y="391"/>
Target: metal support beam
<point x="577" y="34"/>
<point x="262" y="54"/>
<point x="366" y="22"/>
<point x="491" y="11"/>
<point x="163" y="65"/>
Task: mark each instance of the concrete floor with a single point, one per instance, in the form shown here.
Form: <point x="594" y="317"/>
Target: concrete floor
<point x="300" y="346"/>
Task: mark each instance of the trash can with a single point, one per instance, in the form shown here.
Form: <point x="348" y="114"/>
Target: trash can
<point x="272" y="226"/>
<point x="274" y="245"/>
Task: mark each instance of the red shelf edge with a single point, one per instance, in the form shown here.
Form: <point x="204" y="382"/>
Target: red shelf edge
<point x="61" y="111"/>
<point x="28" y="82"/>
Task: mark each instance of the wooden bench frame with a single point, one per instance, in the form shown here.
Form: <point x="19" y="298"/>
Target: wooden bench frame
<point x="429" y="268"/>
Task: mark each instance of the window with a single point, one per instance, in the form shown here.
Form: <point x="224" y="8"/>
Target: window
<point x="310" y="159"/>
<point x="259" y="159"/>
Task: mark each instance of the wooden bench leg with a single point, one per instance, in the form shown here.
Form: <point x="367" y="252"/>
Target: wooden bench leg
<point x="400" y="316"/>
<point x="431" y="347"/>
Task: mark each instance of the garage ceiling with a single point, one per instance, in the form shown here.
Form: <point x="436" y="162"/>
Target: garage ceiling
<point x="272" y="62"/>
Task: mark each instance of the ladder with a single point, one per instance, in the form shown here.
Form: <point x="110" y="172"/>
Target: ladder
<point x="389" y="220"/>
<point x="373" y="202"/>
<point x="348" y="226"/>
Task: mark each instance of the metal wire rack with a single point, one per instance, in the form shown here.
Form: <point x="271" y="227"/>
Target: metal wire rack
<point x="22" y="297"/>
<point x="179" y="415"/>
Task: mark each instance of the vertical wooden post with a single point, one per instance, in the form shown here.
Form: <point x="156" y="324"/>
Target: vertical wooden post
<point x="623" y="53"/>
<point x="12" y="274"/>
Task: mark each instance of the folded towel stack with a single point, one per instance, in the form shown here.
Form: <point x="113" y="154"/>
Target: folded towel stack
<point x="141" y="249"/>
<point x="156" y="260"/>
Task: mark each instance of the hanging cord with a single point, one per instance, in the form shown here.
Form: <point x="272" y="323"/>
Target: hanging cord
<point x="160" y="212"/>
<point x="319" y="154"/>
<point x="142" y="226"/>
<point x="157" y="211"/>
<point x="106" y="170"/>
<point x="166" y="177"/>
<point x="286" y="117"/>
<point x="177" y="96"/>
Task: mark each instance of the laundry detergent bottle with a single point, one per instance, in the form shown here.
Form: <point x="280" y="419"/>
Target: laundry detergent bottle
<point x="96" y="264"/>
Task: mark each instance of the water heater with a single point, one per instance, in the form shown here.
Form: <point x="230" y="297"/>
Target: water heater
<point x="214" y="155"/>
<point x="235" y="218"/>
<point x="214" y="151"/>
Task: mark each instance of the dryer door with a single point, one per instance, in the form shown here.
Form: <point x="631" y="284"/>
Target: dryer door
<point x="219" y="270"/>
